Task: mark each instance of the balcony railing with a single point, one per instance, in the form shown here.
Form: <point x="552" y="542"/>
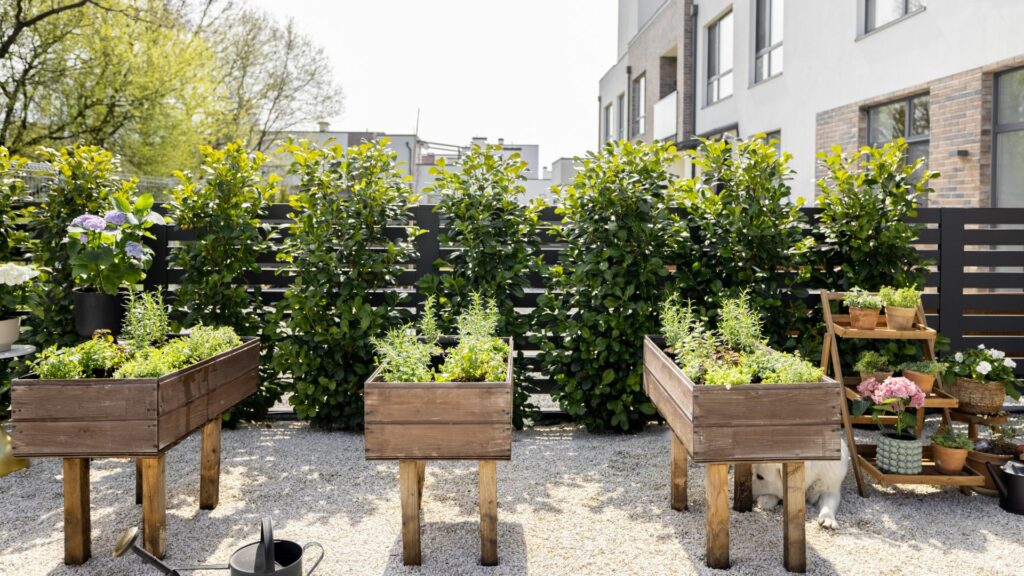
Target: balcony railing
<point x="665" y="117"/>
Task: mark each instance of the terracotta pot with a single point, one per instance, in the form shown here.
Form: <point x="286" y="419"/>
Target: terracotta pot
<point x="923" y="380"/>
<point x="976" y="462"/>
<point x="879" y="376"/>
<point x="864" y="318"/>
<point x="978" y="397"/>
<point x="949" y="460"/>
<point x="10" y="330"/>
<point x="900" y="318"/>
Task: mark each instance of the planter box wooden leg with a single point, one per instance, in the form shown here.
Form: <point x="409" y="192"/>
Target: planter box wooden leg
<point x="421" y="476"/>
<point x="209" y="469"/>
<point x="794" y="556"/>
<point x="743" y="488"/>
<point x="408" y="485"/>
<point x="488" y="513"/>
<point x="677" y="497"/>
<point x="138" y="481"/>
<point x="717" y="531"/>
<point x="154" y="505"/>
<point x="77" y="521"/>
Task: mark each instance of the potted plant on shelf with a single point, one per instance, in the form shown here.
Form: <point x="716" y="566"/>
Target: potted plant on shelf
<point x="998" y="448"/>
<point x="107" y="255"/>
<point x="980" y="378"/>
<point x="949" y="450"/>
<point x="923" y="373"/>
<point x="13" y="279"/>
<point x="900" y="306"/>
<point x="864" y="308"/>
<point x="873" y="366"/>
<point x="899" y="451"/>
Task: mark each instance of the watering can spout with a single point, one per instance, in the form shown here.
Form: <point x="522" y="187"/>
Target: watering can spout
<point x="998" y="479"/>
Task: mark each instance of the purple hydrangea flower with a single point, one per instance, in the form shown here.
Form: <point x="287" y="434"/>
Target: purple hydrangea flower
<point x="90" y="222"/>
<point x="83" y="238"/>
<point x="116" y="217"/>
<point x="133" y="250"/>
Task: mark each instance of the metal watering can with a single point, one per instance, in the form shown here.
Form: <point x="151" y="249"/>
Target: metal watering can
<point x="268" y="557"/>
<point x="1010" y="484"/>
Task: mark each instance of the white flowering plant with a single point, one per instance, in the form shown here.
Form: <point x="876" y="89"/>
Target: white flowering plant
<point x="985" y="365"/>
<point x="13" y="280"/>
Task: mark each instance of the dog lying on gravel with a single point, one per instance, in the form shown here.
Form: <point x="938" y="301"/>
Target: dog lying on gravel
<point x="823" y="479"/>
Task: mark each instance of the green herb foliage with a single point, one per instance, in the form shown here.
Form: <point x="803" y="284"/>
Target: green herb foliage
<point x="925" y="367"/>
<point x="145" y="320"/>
<point x="860" y="298"/>
<point x="947" y="438"/>
<point x="900" y="297"/>
<point x="99" y="356"/>
<point x="405" y="356"/>
<point x="342" y="256"/>
<point x="480" y="355"/>
<point x="873" y="362"/>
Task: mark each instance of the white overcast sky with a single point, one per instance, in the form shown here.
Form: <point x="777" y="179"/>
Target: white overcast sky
<point x="523" y="70"/>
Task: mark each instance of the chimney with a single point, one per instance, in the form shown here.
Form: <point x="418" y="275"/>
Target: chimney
<point x="480" y="140"/>
<point x="324" y="125"/>
<point x="501" y="141"/>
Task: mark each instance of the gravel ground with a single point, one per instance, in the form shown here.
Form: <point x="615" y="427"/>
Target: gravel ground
<point x="569" y="503"/>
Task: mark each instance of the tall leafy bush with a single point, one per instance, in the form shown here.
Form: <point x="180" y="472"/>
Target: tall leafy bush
<point x="619" y="230"/>
<point x="343" y="260"/>
<point x="224" y="204"/>
<point x="12" y="194"/>
<point x="750" y="235"/>
<point x="497" y="237"/>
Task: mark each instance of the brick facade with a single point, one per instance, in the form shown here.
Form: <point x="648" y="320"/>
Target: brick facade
<point x="960" y="132"/>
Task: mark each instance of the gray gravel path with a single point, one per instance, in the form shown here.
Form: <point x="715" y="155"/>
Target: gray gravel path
<point x="569" y="503"/>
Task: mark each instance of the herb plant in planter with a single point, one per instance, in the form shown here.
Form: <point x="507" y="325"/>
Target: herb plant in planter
<point x="864" y="307"/>
<point x="1000" y="446"/>
<point x="949" y="449"/>
<point x="923" y="373"/>
<point x="980" y="378"/>
<point x="900" y="306"/>
<point x="899" y="451"/>
<point x="873" y="365"/>
<point x="13" y="279"/>
<point x="107" y="255"/>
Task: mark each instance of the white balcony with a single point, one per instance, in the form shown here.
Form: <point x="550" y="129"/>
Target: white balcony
<point x="665" y="117"/>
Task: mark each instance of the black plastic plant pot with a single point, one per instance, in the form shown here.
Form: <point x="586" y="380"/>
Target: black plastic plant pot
<point x="97" y="311"/>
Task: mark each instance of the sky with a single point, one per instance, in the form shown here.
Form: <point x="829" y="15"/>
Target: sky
<point x="523" y="70"/>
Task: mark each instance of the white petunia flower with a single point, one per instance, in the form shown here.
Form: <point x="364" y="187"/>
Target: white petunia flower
<point x="981" y="346"/>
<point x="959" y="357"/>
<point x="997" y="354"/>
<point x="983" y="368"/>
<point x="1009" y="363"/>
<point x="14" y="274"/>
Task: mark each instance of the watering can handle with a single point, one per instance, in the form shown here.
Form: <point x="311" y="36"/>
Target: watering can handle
<point x="997" y="479"/>
<point x="318" y="560"/>
<point x="265" y="551"/>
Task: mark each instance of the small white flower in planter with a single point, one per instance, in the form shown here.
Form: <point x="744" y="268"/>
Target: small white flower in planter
<point x="981" y="346"/>
<point x="1009" y="363"/>
<point x="959" y="357"/>
<point x="997" y="354"/>
<point x="984" y="367"/>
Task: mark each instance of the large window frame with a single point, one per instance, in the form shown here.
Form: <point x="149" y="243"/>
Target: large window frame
<point x="914" y="140"/>
<point x="906" y="8"/>
<point x="768" y="51"/>
<point x="717" y="76"/>
<point x="638" y="106"/>
<point x="1000" y="128"/>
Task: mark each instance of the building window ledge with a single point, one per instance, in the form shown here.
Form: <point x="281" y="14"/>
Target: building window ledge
<point x="765" y="80"/>
<point x="716" y="102"/>
<point x="862" y="35"/>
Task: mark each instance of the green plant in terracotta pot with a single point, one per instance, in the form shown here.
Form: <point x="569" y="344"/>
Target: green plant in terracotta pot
<point x="900" y="306"/>
<point x="873" y="365"/>
<point x="864" y="307"/>
<point x="899" y="450"/>
<point x="949" y="450"/>
<point x="924" y="373"/>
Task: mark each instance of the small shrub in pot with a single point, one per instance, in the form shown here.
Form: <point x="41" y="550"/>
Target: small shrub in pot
<point x="865" y="308"/>
<point x="900" y="306"/>
<point x="981" y="378"/>
<point x="873" y="365"/>
<point x="949" y="450"/>
<point x="923" y="373"/>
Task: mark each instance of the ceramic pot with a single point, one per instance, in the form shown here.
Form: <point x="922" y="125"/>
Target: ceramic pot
<point x="899" y="454"/>
<point x="10" y="330"/>
<point x="864" y="318"/>
<point x="97" y="311"/>
<point x="949" y="461"/>
<point x="923" y="380"/>
<point x="976" y="462"/>
<point x="900" y="318"/>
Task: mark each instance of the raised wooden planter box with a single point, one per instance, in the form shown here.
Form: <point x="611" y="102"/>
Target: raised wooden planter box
<point x="141" y="418"/>
<point x="413" y="422"/>
<point x="753" y="422"/>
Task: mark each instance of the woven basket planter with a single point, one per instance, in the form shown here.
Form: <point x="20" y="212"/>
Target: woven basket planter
<point x="898" y="455"/>
<point x="978" y="397"/>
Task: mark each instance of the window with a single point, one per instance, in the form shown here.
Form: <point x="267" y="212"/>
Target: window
<point x="775" y="139"/>
<point x="720" y="59"/>
<point x="1008" y="175"/>
<point x="620" y="120"/>
<point x="638" y="122"/>
<point x="881" y="12"/>
<point x="907" y="119"/>
<point x="768" y="39"/>
<point x="608" y="126"/>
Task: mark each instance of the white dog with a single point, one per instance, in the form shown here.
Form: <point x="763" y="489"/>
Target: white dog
<point x="823" y="478"/>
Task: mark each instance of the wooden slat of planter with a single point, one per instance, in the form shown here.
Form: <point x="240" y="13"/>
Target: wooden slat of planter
<point x="674" y="383"/>
<point x="767" y="443"/>
<point x="439" y="441"/>
<point x="669" y="409"/>
<point x="761" y="405"/>
<point x="226" y="395"/>
<point x="80" y="400"/>
<point x="228" y="368"/>
<point x="468" y="403"/>
<point x="104" y="438"/>
<point x="182" y="421"/>
<point x="182" y="388"/>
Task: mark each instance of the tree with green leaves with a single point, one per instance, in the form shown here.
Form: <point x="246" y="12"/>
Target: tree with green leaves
<point x="497" y="238"/>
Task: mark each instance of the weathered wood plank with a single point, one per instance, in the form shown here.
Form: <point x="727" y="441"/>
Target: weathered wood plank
<point x="488" y="513"/>
<point x="430" y="404"/>
<point x="775" y="404"/>
<point x="82" y="400"/>
<point x="238" y="361"/>
<point x="209" y="467"/>
<point x="154" y="505"/>
<point x="183" y="388"/>
<point x="438" y="441"/>
<point x="794" y="551"/>
<point x="717" y="516"/>
<point x="669" y="375"/>
<point x="768" y="443"/>
<point x="77" y="516"/>
<point x="679" y="475"/>
<point x="670" y="410"/>
<point x="230" y="392"/>
<point x="408" y="485"/>
<point x="182" y="421"/>
<point x="104" y="438"/>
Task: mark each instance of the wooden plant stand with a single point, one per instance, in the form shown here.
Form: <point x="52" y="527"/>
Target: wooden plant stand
<point x="414" y="422"/>
<point x="862" y="457"/>
<point x="83" y="420"/>
<point x="742" y="426"/>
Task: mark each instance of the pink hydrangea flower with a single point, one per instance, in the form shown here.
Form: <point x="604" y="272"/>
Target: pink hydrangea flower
<point x="898" y="388"/>
<point x="867" y="387"/>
